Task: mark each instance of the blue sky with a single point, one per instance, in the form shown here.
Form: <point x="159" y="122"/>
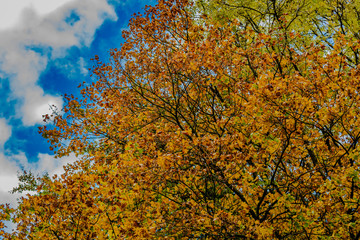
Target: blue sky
<point x="45" y="51"/>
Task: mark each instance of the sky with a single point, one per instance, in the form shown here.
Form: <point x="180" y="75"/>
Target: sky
<point x="45" y="52"/>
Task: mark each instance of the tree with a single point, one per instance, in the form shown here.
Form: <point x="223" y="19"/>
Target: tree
<point x="200" y="128"/>
<point x="319" y="22"/>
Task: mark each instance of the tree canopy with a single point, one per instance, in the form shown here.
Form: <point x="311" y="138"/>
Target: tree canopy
<point x="214" y="120"/>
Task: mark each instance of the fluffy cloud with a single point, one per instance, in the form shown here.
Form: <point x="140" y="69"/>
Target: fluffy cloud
<point x="12" y="165"/>
<point x="5" y="132"/>
<point x="8" y="169"/>
<point x="11" y="11"/>
<point x="26" y="48"/>
<point x="44" y="31"/>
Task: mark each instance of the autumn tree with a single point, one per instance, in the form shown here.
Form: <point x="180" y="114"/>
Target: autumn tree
<point x="202" y="128"/>
<point x="318" y="22"/>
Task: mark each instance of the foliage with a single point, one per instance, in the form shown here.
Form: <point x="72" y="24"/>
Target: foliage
<point x="317" y="21"/>
<point x="200" y="128"/>
<point x="28" y="182"/>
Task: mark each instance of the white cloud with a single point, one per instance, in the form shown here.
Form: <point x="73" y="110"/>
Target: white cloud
<point x="83" y="68"/>
<point x="8" y="178"/>
<point x="13" y="164"/>
<point x="10" y="12"/>
<point x="22" y="63"/>
<point x="34" y="32"/>
<point x="47" y="163"/>
<point x="37" y="104"/>
<point x="5" y="132"/>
